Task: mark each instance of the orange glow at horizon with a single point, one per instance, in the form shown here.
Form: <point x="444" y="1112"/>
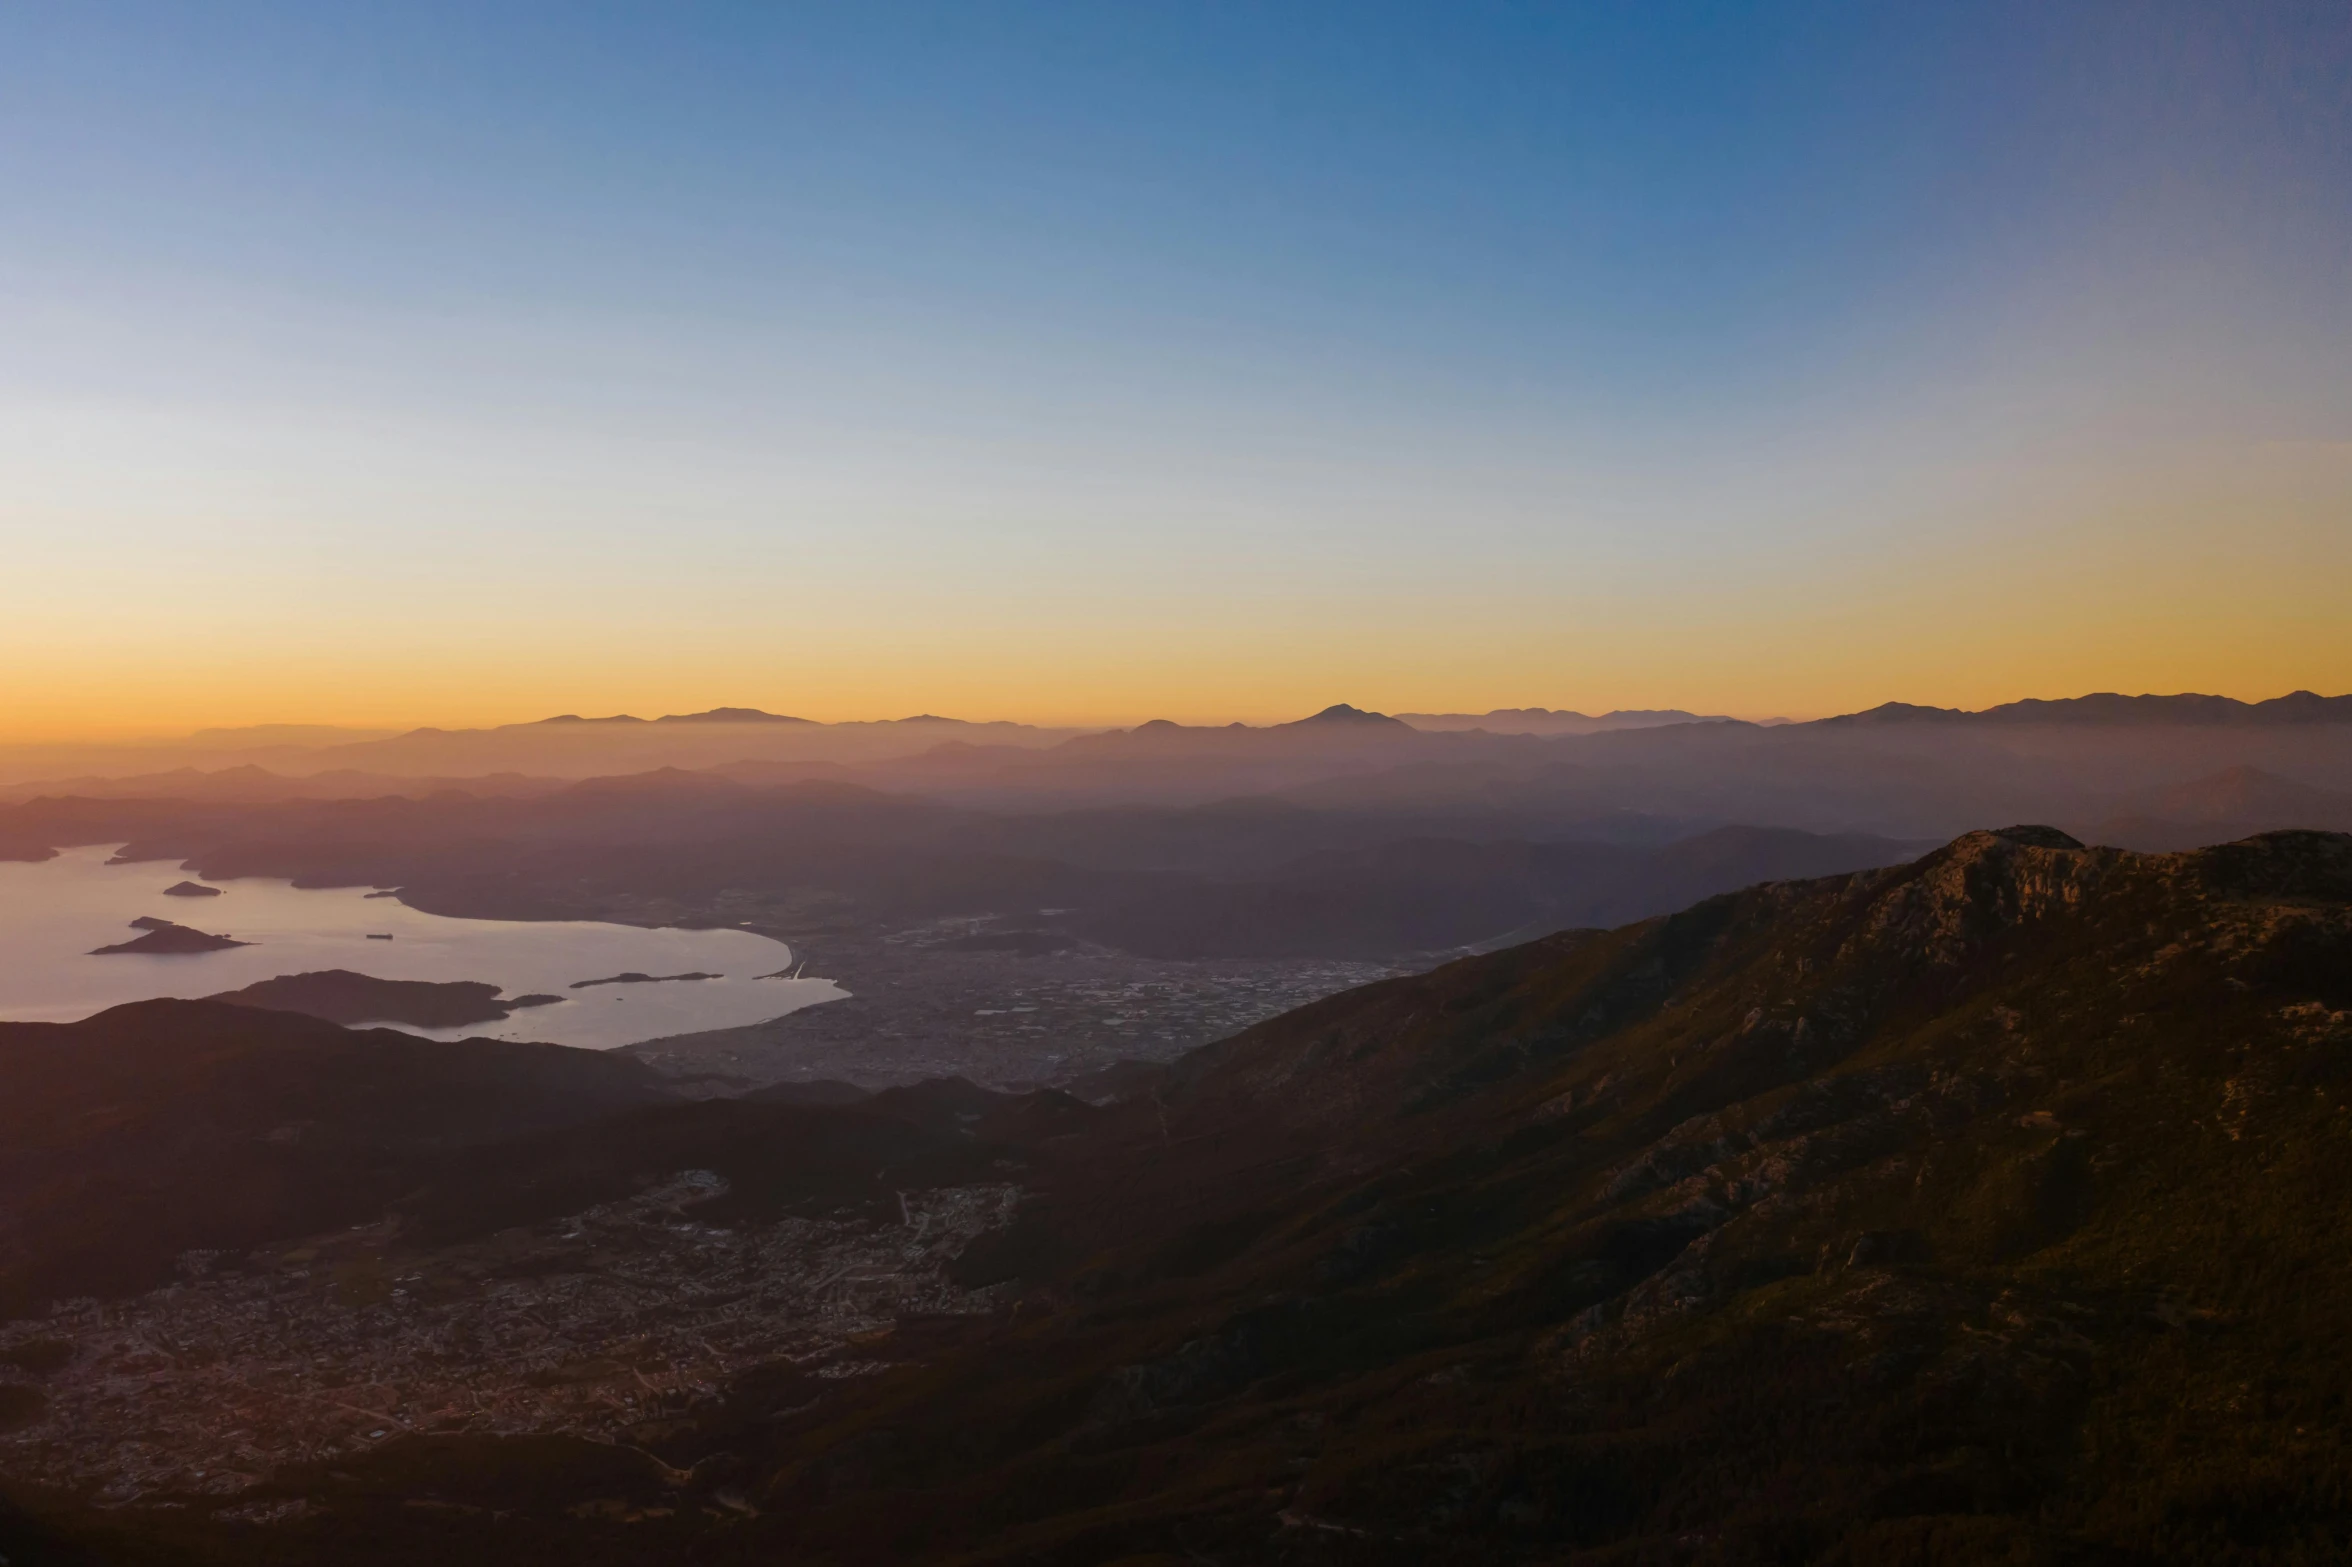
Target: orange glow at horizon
<point x="2227" y="580"/>
<point x="1782" y="392"/>
<point x="1751" y="667"/>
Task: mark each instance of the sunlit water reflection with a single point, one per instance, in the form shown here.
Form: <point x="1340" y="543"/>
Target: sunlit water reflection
<point x="53" y="913"/>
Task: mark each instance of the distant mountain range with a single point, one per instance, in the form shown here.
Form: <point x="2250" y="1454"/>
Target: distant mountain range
<point x="1549" y="721"/>
<point x="566" y="745"/>
<point x="2106" y="707"/>
<point x="251" y="784"/>
<point x="1160" y="760"/>
<point x="716" y="715"/>
<point x="2155" y="772"/>
<point x="2300" y="707"/>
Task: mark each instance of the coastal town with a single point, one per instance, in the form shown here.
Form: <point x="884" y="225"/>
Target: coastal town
<point x="608" y="1324"/>
<point x="1003" y="1006"/>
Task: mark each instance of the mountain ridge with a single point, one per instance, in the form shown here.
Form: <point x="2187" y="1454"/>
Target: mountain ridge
<point x="2107" y="707"/>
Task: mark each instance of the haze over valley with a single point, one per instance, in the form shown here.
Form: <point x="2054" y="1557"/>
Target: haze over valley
<point x="1024" y="907"/>
<point x="1033" y="912"/>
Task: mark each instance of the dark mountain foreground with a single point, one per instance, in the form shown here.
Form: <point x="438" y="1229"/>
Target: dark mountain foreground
<point x="150" y="1129"/>
<point x="1986" y="1209"/>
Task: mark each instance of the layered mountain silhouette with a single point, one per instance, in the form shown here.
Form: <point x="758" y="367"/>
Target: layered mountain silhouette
<point x="290" y="761"/>
<point x="1342" y="713"/>
<point x="1555" y="721"/>
<point x="2107" y="707"/>
<point x="1899" y="771"/>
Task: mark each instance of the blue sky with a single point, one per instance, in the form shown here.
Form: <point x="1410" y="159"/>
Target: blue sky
<point x="431" y="361"/>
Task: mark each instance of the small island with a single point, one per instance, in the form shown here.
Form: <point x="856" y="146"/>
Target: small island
<point x="634" y="978"/>
<point x="341" y="996"/>
<point x="165" y="939"/>
<point x="191" y="889"/>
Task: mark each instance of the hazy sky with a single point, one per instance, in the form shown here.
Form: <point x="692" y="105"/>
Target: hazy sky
<point x="473" y="362"/>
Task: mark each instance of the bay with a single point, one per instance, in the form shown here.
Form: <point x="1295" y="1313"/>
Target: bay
<point x="53" y="913"/>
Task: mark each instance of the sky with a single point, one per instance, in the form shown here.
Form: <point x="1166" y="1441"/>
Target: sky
<point x="467" y="363"/>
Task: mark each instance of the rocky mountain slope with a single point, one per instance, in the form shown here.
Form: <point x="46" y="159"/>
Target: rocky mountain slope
<point x="1989" y="1208"/>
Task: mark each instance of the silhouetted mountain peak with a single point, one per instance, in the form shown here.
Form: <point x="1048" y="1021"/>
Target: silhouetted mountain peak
<point x="1342" y="713"/>
<point x="1901" y="713"/>
<point x="731" y="715"/>
<point x="2033" y="837"/>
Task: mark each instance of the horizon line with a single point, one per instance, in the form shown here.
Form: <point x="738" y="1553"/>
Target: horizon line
<point x="363" y="733"/>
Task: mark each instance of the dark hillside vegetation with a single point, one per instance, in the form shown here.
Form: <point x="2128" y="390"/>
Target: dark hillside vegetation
<point x="163" y="1126"/>
<point x="1992" y="1208"/>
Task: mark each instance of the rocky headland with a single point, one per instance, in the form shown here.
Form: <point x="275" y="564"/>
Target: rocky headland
<point x="163" y="938"/>
<point x="342" y="996"/>
<point x="635" y="978"/>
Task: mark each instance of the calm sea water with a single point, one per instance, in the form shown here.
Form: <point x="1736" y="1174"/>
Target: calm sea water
<point x="52" y="914"/>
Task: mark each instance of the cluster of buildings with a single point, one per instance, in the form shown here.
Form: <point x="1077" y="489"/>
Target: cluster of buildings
<point x="603" y="1324"/>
